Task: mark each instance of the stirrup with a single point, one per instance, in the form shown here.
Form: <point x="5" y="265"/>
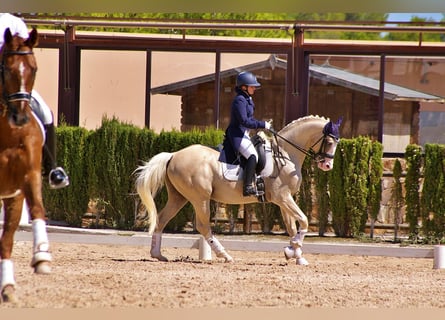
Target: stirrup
<point x="58" y="178"/>
<point x="251" y="190"/>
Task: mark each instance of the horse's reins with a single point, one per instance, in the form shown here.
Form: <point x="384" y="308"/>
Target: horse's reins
<point x="317" y="157"/>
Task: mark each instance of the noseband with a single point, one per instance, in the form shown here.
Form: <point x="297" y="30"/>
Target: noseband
<point x="16" y="96"/>
<point x="321" y="156"/>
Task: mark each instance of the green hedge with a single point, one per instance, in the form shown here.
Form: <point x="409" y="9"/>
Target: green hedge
<point x="69" y="204"/>
<point x="101" y="163"/>
<point x="433" y="196"/>
<point x="425" y="192"/>
<point x="353" y="183"/>
<point x="414" y="160"/>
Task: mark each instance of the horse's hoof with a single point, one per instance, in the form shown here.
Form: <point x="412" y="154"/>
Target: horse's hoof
<point x="160" y="258"/>
<point x="8" y="294"/>
<point x="43" y="267"/>
<point x="302" y="261"/>
<point x="227" y="258"/>
<point x="289" y="252"/>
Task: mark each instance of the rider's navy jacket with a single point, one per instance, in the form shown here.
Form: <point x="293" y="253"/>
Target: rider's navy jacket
<point x="241" y="119"/>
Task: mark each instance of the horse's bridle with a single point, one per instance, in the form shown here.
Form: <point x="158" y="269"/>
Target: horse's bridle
<point x="320" y="156"/>
<point x="16" y="96"/>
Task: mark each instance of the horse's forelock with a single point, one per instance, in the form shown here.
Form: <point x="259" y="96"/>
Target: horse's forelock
<point x="14" y="42"/>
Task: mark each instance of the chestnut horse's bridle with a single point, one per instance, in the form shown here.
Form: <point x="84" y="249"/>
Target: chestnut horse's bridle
<point x="6" y="99"/>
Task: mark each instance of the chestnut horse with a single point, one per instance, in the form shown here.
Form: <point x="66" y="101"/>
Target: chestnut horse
<point x="194" y="174"/>
<point x="21" y="141"/>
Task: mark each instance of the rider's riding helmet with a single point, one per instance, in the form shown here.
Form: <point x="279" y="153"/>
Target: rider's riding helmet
<point x="247" y="79"/>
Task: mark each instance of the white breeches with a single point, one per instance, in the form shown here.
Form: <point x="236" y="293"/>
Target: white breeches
<point x="246" y="147"/>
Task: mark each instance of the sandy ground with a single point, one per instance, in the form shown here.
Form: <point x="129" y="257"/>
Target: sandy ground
<point x="98" y="276"/>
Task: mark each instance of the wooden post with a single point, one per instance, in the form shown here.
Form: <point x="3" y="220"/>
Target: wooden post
<point x="247" y="226"/>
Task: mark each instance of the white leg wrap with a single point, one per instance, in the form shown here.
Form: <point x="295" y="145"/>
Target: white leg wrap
<point x="297" y="240"/>
<point x="218" y="248"/>
<point x="40" y="242"/>
<point x="7" y="273"/>
<point x="289" y="252"/>
<point x="294" y="250"/>
<point x="156" y="240"/>
<point x="40" y="237"/>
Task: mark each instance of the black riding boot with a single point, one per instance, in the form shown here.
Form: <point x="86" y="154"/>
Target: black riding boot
<point x="56" y="175"/>
<point x="249" y="177"/>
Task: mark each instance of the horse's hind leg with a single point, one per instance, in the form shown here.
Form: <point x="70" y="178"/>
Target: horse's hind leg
<point x="41" y="256"/>
<point x="202" y="210"/>
<point x="174" y="203"/>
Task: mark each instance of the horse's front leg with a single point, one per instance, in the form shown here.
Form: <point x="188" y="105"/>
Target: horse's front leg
<point x="291" y="212"/>
<point x="13" y="210"/>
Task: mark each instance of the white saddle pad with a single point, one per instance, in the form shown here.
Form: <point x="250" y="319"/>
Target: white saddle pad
<point x="234" y="172"/>
<point x="40" y="125"/>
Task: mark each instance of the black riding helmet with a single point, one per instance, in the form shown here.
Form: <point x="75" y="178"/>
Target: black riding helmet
<point x="247" y="79"/>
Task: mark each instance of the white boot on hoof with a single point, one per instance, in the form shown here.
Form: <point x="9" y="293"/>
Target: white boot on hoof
<point x="289" y="252"/>
<point x="300" y="259"/>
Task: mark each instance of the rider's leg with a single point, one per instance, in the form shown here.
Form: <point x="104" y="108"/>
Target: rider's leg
<point x="56" y="175"/>
<point x="249" y="177"/>
<point x="248" y="151"/>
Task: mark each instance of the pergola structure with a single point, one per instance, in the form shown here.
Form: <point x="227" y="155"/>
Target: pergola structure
<point x="70" y="42"/>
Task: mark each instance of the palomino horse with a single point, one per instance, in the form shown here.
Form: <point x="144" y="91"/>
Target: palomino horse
<point x="21" y="141"/>
<point x="194" y="174"/>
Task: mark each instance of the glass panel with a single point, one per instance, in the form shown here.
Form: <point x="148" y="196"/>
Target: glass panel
<point x="47" y="79"/>
<point x="424" y="76"/>
<point x="183" y="90"/>
<point x="112" y="83"/>
<point x="270" y="70"/>
<point x="346" y="86"/>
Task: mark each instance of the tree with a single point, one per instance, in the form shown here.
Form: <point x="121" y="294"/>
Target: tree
<point x="414" y="36"/>
<point x="239" y="17"/>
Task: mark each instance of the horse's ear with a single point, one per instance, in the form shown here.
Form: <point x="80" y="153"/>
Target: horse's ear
<point x="33" y="38"/>
<point x="7" y="36"/>
<point x="332" y="128"/>
<point x="339" y="121"/>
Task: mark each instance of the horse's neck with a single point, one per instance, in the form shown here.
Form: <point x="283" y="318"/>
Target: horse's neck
<point x="304" y="136"/>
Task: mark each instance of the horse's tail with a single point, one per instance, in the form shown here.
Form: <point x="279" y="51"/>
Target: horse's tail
<point x="150" y="177"/>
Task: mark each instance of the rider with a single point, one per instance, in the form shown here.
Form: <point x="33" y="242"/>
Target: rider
<point x="241" y="120"/>
<point x="56" y="175"/>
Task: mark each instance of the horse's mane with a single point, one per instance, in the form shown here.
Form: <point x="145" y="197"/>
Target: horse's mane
<point x="302" y="120"/>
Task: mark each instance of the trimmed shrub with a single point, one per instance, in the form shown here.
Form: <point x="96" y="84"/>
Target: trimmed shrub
<point x="69" y="204"/>
<point x="433" y="197"/>
<point x="414" y="160"/>
<point x="349" y="184"/>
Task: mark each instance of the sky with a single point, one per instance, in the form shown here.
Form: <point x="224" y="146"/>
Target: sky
<point x="407" y="16"/>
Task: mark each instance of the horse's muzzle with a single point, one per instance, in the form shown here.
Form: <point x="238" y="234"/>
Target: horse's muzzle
<point x="17" y="116"/>
<point x="326" y="164"/>
<point x="17" y="103"/>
